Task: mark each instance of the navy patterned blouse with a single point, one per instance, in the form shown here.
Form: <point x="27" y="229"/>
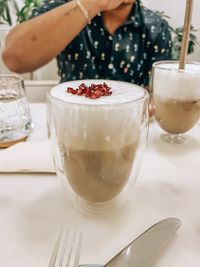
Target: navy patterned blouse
<point x="127" y="55"/>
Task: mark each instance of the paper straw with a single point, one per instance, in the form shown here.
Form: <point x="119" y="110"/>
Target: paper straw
<point x="186" y="33"/>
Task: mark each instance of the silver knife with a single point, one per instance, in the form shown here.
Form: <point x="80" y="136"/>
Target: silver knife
<point x="145" y="247"/>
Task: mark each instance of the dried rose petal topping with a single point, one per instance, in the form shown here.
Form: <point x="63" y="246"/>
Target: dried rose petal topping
<point x="93" y="91"/>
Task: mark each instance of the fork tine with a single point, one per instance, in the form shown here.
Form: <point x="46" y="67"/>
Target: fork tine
<point x="71" y="248"/>
<point x="78" y="252"/>
<point x="63" y="249"/>
<point x="55" y="250"/>
<point x="67" y="249"/>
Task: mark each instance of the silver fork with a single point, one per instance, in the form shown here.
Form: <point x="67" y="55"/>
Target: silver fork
<point x="66" y="252"/>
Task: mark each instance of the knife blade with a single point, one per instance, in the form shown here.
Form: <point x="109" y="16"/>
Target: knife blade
<point x="145" y="247"/>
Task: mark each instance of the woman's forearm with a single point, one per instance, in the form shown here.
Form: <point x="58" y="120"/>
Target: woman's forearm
<point x="34" y="43"/>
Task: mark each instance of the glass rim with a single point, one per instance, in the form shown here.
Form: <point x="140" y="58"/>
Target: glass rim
<point x="139" y="99"/>
<point x="17" y="80"/>
<point x="158" y="64"/>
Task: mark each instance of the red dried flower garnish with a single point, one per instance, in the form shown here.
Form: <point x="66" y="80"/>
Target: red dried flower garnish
<point x="93" y="91"/>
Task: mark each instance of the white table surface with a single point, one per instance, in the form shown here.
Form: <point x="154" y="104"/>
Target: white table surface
<point x="33" y="207"/>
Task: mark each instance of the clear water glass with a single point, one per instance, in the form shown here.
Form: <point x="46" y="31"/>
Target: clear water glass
<point x="15" y="118"/>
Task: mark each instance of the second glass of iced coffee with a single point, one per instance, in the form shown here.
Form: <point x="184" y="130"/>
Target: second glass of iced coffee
<point x="176" y="97"/>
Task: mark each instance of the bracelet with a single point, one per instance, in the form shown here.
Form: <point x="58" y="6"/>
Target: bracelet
<point x="83" y="10"/>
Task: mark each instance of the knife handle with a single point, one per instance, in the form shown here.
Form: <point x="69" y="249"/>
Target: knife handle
<point x="91" y="265"/>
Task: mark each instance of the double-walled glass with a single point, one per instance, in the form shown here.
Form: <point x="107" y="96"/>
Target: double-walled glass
<point x="98" y="146"/>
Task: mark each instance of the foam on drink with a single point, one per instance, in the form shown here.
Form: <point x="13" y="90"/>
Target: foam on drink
<point x="177" y="84"/>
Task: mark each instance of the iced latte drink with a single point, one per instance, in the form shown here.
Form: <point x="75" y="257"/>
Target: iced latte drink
<point x="100" y="139"/>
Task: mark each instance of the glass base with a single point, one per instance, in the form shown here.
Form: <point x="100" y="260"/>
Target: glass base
<point x="100" y="208"/>
<point x="94" y="209"/>
<point x="173" y="138"/>
<point x="11" y="136"/>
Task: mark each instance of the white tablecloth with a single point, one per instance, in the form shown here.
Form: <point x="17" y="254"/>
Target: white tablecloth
<point x="33" y="207"/>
